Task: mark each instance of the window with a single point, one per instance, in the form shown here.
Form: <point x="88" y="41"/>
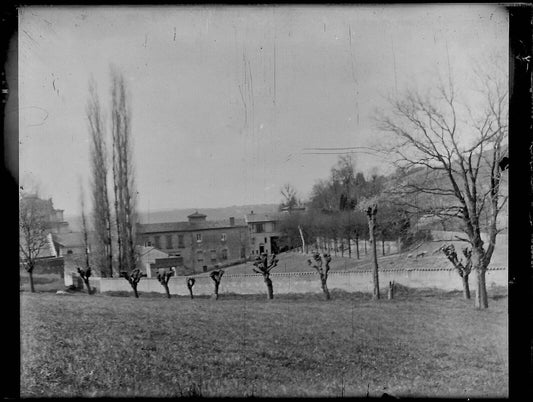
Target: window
<point x="259" y="228"/>
<point x="224" y="254"/>
<point x="69" y="252"/>
<point x="148" y="243"/>
<point x="157" y="243"/>
<point x="200" y="256"/>
<point x="180" y="241"/>
<point x="198" y="237"/>
<point x="223" y="237"/>
<point x="213" y="255"/>
<point x="169" y="241"/>
<point x="266" y="240"/>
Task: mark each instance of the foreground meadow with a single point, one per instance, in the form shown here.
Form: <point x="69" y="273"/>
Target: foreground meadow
<point x="416" y="345"/>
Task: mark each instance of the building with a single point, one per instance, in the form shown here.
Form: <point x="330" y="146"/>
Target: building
<point x="264" y="233"/>
<point x="54" y="217"/>
<point x="48" y="258"/>
<point x="197" y="245"/>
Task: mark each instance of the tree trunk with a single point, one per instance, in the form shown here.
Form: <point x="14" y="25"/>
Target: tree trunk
<point x="382" y="247"/>
<point x="135" y="290"/>
<point x="270" y="289"/>
<point x="375" y="274"/>
<point x="342" y="247"/>
<point x="481" y="299"/>
<point x="357" y="246"/>
<point x="167" y="291"/>
<point x="302" y="237"/>
<point x="366" y="252"/>
<point x="216" y="290"/>
<point x="391" y="291"/>
<point x="86" y="281"/>
<point x="325" y="288"/>
<point x="466" y="287"/>
<point x="349" y="247"/>
<point x="32" y="288"/>
<point x="190" y="291"/>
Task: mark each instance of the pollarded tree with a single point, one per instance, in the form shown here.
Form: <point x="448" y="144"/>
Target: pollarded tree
<point x="190" y="284"/>
<point x="264" y="266"/>
<point x="163" y="276"/>
<point x="216" y="276"/>
<point x="449" y="151"/>
<point x="321" y="264"/>
<point x="463" y="269"/>
<point x="85" y="274"/>
<point x="133" y="277"/>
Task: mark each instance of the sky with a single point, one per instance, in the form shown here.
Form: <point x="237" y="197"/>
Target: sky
<point x="225" y="100"/>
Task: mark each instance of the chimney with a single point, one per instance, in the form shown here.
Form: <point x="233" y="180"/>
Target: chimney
<point x="232" y="221"/>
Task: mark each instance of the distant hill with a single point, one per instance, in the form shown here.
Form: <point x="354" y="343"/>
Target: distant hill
<point x="177" y="215"/>
<point x="213" y="214"/>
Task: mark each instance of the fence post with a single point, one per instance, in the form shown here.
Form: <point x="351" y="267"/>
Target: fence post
<point x="391" y="290"/>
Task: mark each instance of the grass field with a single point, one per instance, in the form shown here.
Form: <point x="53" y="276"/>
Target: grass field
<point x="416" y="345"/>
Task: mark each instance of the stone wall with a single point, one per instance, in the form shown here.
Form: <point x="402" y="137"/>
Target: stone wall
<point x="308" y="282"/>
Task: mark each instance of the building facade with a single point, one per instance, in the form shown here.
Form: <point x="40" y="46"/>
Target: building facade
<point x="264" y="233"/>
<point x="197" y="245"/>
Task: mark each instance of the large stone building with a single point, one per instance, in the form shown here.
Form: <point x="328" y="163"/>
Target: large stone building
<point x="197" y="245"/>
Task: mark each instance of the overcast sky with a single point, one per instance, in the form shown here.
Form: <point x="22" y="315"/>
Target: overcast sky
<point x="225" y="99"/>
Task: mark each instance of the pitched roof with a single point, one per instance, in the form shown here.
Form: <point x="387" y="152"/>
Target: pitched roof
<point x="196" y="215"/>
<point x="187" y="226"/>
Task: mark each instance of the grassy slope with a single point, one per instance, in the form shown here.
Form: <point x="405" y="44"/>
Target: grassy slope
<point x="296" y="262"/>
<point x="293" y="346"/>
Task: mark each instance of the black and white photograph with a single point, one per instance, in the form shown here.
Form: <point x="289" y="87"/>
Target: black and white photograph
<point x="264" y="200"/>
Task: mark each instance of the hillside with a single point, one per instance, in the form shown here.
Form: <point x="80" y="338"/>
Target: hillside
<point x="176" y="215"/>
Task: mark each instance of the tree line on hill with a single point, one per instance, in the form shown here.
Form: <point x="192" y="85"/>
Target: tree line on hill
<point x="332" y="221"/>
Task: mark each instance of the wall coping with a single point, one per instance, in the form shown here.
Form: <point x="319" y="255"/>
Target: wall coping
<point x="290" y="274"/>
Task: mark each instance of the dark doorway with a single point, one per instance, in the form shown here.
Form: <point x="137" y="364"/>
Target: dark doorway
<point x="261" y="249"/>
<point x="274" y="244"/>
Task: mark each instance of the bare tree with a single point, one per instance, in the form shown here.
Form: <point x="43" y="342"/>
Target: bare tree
<point x="133" y="277"/>
<point x="462" y="269"/>
<point x="449" y="153"/>
<point x="216" y="276"/>
<point x="33" y="232"/>
<point x="190" y="284"/>
<point x="123" y="175"/>
<point x="85" y="272"/>
<point x="163" y="276"/>
<point x="290" y="196"/>
<point x="264" y="266"/>
<point x="321" y="264"/>
<point x="370" y="208"/>
<point x="99" y="171"/>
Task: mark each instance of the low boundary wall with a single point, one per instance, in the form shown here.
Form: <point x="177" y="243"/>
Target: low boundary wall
<point x="308" y="282"/>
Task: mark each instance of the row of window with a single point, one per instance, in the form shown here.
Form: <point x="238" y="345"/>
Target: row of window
<point x="169" y="244"/>
<point x="213" y="254"/>
<point x="260" y="227"/>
